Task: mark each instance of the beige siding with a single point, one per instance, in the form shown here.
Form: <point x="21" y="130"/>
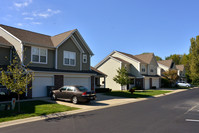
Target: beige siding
<point x="144" y="66"/>
<point x="85" y="66"/>
<point x="4" y="56"/>
<point x="110" y="69"/>
<point x="68" y="45"/>
<point x="153" y="65"/>
<point x="135" y="67"/>
<point x="13" y="41"/>
<point x="50" y="61"/>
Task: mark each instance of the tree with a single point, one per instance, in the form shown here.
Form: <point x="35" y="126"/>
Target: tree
<point x="194" y="60"/>
<point x="122" y="77"/>
<point x="171" y="76"/>
<point x="158" y="58"/>
<point x="16" y="78"/>
<point x="175" y="57"/>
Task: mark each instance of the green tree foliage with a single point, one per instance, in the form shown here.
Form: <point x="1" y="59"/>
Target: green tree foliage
<point x="175" y="57"/>
<point x="122" y="77"/>
<point x="194" y="60"/>
<point x="158" y="58"/>
<point x="171" y="76"/>
<point x="16" y="78"/>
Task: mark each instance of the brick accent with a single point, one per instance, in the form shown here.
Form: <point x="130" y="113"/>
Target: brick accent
<point x="58" y="81"/>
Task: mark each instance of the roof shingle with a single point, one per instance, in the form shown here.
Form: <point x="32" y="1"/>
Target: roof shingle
<point x="166" y="62"/>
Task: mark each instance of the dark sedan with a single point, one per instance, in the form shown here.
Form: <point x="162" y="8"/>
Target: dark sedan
<point x="74" y="93"/>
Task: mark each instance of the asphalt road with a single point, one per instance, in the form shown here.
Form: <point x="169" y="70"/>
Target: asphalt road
<point x="176" y="113"/>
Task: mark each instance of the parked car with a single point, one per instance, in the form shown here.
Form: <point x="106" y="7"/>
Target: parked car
<point x="183" y="84"/>
<point x="74" y="93"/>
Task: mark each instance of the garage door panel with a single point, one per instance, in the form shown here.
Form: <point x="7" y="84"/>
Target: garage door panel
<point x="147" y="84"/>
<point x="156" y="82"/>
<point x="78" y="81"/>
<point x="39" y="86"/>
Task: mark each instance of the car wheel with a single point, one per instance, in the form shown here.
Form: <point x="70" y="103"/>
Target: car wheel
<point x="187" y="86"/>
<point x="74" y="100"/>
<point x="53" y="97"/>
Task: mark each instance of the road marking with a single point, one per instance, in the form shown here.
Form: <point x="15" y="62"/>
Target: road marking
<point x="191" y="109"/>
<point x="191" y="120"/>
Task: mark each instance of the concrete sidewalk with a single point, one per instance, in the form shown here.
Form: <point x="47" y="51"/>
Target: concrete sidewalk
<point x="102" y="101"/>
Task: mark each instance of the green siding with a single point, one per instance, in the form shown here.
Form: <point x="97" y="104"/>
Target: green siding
<point x="4" y="56"/>
<point x="68" y="45"/>
<point x="50" y="62"/>
<point x="85" y="66"/>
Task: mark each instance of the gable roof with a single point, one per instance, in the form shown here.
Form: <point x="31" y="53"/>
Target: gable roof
<point x="40" y="39"/>
<point x="133" y="57"/>
<point x="29" y="36"/>
<point x="121" y="60"/>
<point x="180" y="67"/>
<point x="166" y="62"/>
<point x="57" y="39"/>
<point x="145" y="57"/>
<point x="4" y="42"/>
<point x="98" y="72"/>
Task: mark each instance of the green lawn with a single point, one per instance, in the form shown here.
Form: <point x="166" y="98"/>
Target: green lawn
<point x="33" y="108"/>
<point x="137" y="93"/>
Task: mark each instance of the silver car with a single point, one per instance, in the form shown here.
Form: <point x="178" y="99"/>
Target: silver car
<point x="183" y="84"/>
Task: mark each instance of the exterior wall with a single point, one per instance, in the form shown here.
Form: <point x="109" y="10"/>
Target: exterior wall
<point x="153" y="65"/>
<point x="85" y="66"/>
<point x="146" y="68"/>
<point x="13" y="41"/>
<point x="50" y="58"/>
<point x="165" y="68"/>
<point x="4" y="56"/>
<point x="68" y="45"/>
<point x="135" y="67"/>
<point x="109" y="68"/>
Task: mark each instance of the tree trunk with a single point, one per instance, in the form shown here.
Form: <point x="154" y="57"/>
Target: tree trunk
<point x="19" y="104"/>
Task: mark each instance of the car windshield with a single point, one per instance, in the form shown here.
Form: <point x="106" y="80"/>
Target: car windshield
<point x="82" y="88"/>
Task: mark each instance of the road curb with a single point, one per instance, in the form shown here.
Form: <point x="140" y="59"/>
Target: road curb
<point x="73" y="112"/>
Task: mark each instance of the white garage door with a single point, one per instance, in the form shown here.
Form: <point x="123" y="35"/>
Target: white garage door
<point x="147" y="83"/>
<point x="39" y="84"/>
<point x="85" y="81"/>
<point x="155" y="82"/>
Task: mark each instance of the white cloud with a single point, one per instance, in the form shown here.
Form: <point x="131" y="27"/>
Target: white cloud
<point x="25" y="13"/>
<point x="28" y="18"/>
<point x="23" y="4"/>
<point x="36" y="23"/>
<point x="19" y="24"/>
<point x="46" y="14"/>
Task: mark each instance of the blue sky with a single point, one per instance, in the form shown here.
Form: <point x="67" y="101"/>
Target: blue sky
<point x="163" y="27"/>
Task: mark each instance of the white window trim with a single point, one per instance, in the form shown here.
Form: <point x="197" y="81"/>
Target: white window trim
<point x="69" y="59"/>
<point x="85" y="55"/>
<point x="39" y="56"/>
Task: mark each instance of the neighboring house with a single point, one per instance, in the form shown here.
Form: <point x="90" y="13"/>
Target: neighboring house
<point x="165" y="65"/>
<point x="181" y="72"/>
<point x="63" y="59"/>
<point x="142" y="70"/>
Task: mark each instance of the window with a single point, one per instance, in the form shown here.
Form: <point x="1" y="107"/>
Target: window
<point x="39" y="55"/>
<point x="132" y="81"/>
<point x="84" y="58"/>
<point x="143" y="68"/>
<point x="151" y="70"/>
<point x="69" y="58"/>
